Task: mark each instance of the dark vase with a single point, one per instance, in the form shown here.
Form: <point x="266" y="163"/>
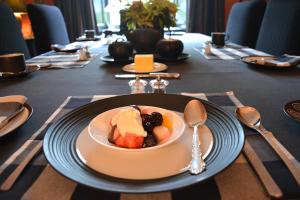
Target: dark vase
<point x="144" y="40"/>
<point x="169" y="48"/>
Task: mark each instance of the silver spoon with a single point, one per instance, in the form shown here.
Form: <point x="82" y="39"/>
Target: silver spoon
<point x="195" y="115"/>
<point x="251" y="118"/>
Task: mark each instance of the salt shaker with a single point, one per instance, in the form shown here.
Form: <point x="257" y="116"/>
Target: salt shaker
<point x="137" y="86"/>
<point x="159" y="85"/>
<point x="207" y="48"/>
<point x="84" y="54"/>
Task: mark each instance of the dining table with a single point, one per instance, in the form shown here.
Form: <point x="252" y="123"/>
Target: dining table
<point x="48" y="91"/>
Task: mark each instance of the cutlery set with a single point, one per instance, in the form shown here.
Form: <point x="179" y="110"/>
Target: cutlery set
<point x="250" y="117"/>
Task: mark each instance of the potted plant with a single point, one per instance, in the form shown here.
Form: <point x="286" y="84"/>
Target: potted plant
<point x="143" y="23"/>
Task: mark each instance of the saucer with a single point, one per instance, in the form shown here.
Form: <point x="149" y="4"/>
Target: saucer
<point x="29" y="69"/>
<point x="157" y="67"/>
<point x="111" y="60"/>
<point x="292" y="109"/>
<point x="17" y="121"/>
<point x="181" y="57"/>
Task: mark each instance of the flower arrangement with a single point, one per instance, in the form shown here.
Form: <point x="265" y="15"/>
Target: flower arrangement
<point x="156" y="14"/>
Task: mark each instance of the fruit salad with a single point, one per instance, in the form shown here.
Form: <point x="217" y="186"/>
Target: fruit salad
<point x="139" y="127"/>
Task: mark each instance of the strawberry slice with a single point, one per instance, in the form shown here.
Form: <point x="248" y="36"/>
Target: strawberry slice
<point x="118" y="138"/>
<point x="133" y="141"/>
<point x="130" y="140"/>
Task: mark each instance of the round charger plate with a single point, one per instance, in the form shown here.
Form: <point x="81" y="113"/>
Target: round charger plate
<point x="111" y="60"/>
<point x="17" y="121"/>
<point x="60" y="144"/>
<point x="29" y="69"/>
<point x="181" y="57"/>
<point x="292" y="109"/>
<point x="157" y="67"/>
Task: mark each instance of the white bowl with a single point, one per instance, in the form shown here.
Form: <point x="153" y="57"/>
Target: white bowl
<point x="99" y="129"/>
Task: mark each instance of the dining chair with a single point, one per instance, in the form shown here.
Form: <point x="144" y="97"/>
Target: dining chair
<point x="11" y="38"/>
<point x="244" y="22"/>
<point x="280" y="28"/>
<point x="48" y="25"/>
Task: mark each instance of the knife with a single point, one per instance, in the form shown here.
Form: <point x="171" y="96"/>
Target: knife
<point x="9" y="110"/>
<point x="150" y="75"/>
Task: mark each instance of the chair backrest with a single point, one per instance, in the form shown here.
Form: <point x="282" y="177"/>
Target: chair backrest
<point x="244" y="22"/>
<point x="280" y="28"/>
<point x="11" y="38"/>
<point x="48" y="26"/>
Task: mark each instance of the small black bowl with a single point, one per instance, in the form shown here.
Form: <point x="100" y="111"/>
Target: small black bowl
<point x="120" y="49"/>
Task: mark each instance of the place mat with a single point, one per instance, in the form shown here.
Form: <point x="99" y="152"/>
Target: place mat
<point x="230" y="53"/>
<point x="41" y="181"/>
<point x="62" y="60"/>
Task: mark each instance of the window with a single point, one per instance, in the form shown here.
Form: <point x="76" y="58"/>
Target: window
<point x="108" y="16"/>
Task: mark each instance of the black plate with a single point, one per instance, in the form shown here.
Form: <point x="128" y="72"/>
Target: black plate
<point x="292" y="109"/>
<point x="29" y="69"/>
<point x="29" y="108"/>
<point x="111" y="60"/>
<point x="60" y="139"/>
<point x="64" y="48"/>
<point x="252" y="60"/>
<point x="83" y="39"/>
<point x="181" y="57"/>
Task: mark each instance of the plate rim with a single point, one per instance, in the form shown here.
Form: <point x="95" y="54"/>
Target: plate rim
<point x="30" y="109"/>
<point x="163" y="68"/>
<point x="287" y="113"/>
<point x="103" y="182"/>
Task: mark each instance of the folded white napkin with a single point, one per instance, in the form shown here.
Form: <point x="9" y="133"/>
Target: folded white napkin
<point x="10" y="106"/>
<point x="14" y="98"/>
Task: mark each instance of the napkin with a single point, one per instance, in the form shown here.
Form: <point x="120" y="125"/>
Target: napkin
<point x="281" y="61"/>
<point x="10" y="106"/>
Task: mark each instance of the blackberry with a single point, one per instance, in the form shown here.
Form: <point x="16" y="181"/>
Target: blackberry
<point x="156" y="118"/>
<point x="148" y="126"/>
<point x="150" y="141"/>
<point x="147" y="122"/>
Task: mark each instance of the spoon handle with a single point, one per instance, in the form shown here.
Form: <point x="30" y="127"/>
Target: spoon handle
<point x="197" y="163"/>
<point x="290" y="161"/>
